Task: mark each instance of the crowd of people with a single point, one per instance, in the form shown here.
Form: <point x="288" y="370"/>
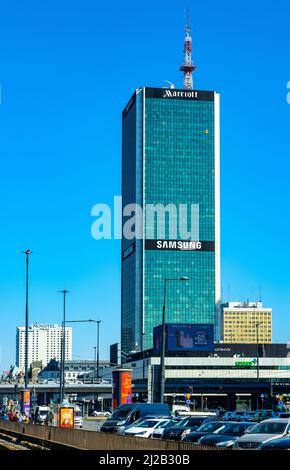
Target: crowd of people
<point x="15" y="415"/>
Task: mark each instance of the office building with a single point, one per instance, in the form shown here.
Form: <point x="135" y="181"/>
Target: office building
<point x="170" y="157"/>
<point x="44" y="343"/>
<point x="232" y="376"/>
<point x="246" y="322"/>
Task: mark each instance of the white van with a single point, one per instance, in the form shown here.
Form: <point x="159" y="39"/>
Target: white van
<point x="41" y="415"/>
<point x="78" y="417"/>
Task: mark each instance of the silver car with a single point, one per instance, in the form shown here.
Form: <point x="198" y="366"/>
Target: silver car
<point x="263" y="432"/>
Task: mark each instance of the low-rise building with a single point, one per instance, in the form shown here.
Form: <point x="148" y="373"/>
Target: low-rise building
<point x="246" y="322"/>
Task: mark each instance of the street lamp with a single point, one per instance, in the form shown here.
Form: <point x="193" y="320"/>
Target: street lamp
<point x="98" y="346"/>
<point x="162" y="361"/>
<point x="258" y="353"/>
<point x="27" y="253"/>
<point x="62" y="355"/>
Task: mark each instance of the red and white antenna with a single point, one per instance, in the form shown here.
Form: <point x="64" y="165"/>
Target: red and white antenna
<point x="188" y="67"/>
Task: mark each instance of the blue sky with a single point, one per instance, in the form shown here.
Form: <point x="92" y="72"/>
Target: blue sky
<point x="67" y="68"/>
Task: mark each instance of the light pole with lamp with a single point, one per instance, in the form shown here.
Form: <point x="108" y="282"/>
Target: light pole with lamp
<point x="258" y="353"/>
<point x="258" y="365"/>
<point x="27" y="253"/>
<point x="62" y="353"/>
<point x="98" y="346"/>
<point x="163" y="348"/>
<point x="63" y="356"/>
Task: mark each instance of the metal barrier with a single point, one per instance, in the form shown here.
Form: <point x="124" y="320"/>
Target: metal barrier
<point x="58" y="438"/>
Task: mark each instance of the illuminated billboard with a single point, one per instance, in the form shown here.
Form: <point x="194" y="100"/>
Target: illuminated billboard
<point x="184" y="337"/>
<point x="122" y="387"/>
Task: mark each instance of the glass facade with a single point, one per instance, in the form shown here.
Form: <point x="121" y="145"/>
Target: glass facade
<point x="170" y="154"/>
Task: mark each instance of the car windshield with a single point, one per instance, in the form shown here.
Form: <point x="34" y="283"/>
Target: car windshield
<point x="210" y="427"/>
<point x="269" y="428"/>
<point x="188" y="422"/>
<point x="172" y="422"/>
<point x="235" y="429"/>
<point x="121" y="413"/>
<point x="166" y="424"/>
<point x="148" y="423"/>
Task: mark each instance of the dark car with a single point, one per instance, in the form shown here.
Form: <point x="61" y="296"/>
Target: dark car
<point x="282" y="443"/>
<point x="205" y="429"/>
<point x="184" y="426"/>
<point x="226" y="436"/>
<point x="261" y="415"/>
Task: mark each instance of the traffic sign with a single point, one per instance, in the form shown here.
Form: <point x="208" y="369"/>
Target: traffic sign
<point x="187" y="402"/>
<point x="188" y="396"/>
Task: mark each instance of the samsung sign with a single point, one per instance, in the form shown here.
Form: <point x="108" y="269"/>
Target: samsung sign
<point x="179" y="245"/>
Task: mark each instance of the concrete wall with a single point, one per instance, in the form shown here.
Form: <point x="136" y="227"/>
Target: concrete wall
<point x="89" y="440"/>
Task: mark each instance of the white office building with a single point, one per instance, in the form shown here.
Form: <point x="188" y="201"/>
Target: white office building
<point x="44" y="343"/>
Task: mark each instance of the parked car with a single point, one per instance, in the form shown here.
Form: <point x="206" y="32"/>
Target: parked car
<point x="238" y="415"/>
<point x="263" y="432"/>
<point x="126" y="415"/>
<point x="157" y="432"/>
<point x="144" y="428"/>
<point x="277" y="444"/>
<point x="281" y="414"/>
<point x="249" y="416"/>
<point x="209" y="427"/>
<point x="226" y="436"/>
<point x="185" y="426"/>
<point x="228" y="416"/>
<point x="78" y="417"/>
<point x="101" y="414"/>
<point x="262" y="415"/>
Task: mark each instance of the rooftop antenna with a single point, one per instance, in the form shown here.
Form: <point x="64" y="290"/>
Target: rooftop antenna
<point x="171" y="84"/>
<point x="188" y="67"/>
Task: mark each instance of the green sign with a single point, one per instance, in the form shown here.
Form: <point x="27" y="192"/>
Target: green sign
<point x="252" y="363"/>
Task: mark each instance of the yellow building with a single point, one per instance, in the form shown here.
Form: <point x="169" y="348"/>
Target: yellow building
<point x="246" y="322"/>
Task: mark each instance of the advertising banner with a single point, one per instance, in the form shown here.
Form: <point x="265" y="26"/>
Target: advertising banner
<point x="25" y="402"/>
<point x="122" y="387"/>
<point x="185" y="337"/>
<point x="66" y="417"/>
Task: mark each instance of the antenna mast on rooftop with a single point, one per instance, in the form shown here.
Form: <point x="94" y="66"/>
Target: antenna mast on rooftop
<point x="188" y="67"/>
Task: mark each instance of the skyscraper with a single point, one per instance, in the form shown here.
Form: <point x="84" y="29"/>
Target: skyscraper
<point x="170" y="157"/>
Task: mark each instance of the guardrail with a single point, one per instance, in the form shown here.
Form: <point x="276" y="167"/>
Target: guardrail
<point x="58" y="438"/>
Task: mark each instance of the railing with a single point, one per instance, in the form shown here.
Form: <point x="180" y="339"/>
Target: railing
<point x="57" y="438"/>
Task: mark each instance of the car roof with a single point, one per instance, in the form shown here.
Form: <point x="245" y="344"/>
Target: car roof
<point x="239" y="422"/>
<point x="276" y="420"/>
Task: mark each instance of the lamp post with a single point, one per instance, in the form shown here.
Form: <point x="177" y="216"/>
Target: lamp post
<point x="62" y="393"/>
<point x="258" y="354"/>
<point x="258" y="366"/>
<point x="98" y="346"/>
<point x="62" y="354"/>
<point x="95" y="360"/>
<point x="162" y="361"/>
<point x="27" y="253"/>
